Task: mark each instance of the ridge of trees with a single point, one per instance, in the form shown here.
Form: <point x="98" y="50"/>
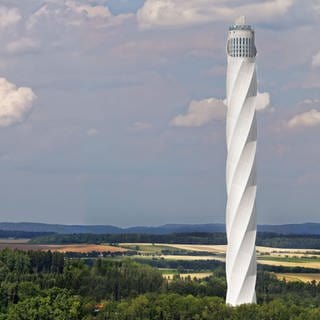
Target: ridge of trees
<point x="218" y="238"/>
<point x="17" y="234"/>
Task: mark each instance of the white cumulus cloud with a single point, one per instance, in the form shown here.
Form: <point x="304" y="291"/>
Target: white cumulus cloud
<point x="310" y="118"/>
<point x="204" y="111"/>
<point x="15" y="103"/>
<point x="200" y="113"/>
<point x="263" y="100"/>
<point x="165" y="13"/>
<point x="74" y="13"/>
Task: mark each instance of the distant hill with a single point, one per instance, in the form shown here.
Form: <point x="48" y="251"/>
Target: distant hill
<point x="304" y="228"/>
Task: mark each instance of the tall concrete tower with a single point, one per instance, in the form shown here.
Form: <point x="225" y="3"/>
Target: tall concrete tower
<point x="240" y="170"/>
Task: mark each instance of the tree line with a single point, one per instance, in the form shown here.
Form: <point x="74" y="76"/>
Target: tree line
<point x="22" y="234"/>
<point x="218" y="238"/>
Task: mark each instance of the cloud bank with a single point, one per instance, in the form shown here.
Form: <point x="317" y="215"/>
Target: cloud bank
<point x="88" y="10"/>
<point x="15" y="103"/>
<point x="171" y="13"/>
<point x="74" y="13"/>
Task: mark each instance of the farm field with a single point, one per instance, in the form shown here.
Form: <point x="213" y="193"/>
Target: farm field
<point x="305" y="277"/>
<point x="306" y="258"/>
<point x="192" y="275"/>
<point x="77" y="248"/>
<point x="6" y="240"/>
<point x="170" y="273"/>
<point x="221" y="249"/>
<point x="183" y="257"/>
<point x="151" y="248"/>
<point x="184" y="252"/>
<point x="309" y="264"/>
<point x="265" y="255"/>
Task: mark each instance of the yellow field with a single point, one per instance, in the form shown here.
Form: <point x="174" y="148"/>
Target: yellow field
<point x="200" y="275"/>
<point x="79" y="248"/>
<point x="313" y="265"/>
<point x="84" y="248"/>
<point x="305" y="277"/>
<point x="200" y="248"/>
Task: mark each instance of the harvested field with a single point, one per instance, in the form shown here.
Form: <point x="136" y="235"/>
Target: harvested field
<point x="313" y="265"/>
<point x="219" y="249"/>
<point x="78" y="248"/>
<point x="305" y="277"/>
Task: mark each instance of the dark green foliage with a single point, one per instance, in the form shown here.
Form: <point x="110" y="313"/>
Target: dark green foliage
<point x="21" y="262"/>
<point x="43" y="286"/>
<point x="184" y="264"/>
<point x="188" y="307"/>
<point x="53" y="304"/>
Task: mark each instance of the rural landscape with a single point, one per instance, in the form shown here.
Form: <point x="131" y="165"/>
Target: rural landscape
<point x="51" y="275"/>
<point x="159" y="160"/>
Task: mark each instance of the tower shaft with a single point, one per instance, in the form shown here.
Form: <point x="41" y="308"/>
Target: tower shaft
<point x="240" y="169"/>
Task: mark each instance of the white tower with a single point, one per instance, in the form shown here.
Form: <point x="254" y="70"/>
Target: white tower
<point x="240" y="170"/>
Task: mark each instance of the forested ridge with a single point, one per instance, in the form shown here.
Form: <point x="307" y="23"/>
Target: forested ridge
<point x="22" y="234"/>
<point x="45" y="286"/>
<point x="263" y="239"/>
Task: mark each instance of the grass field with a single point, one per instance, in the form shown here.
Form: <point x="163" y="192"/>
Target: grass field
<point x="151" y="248"/>
<point x="300" y="259"/>
<point x="14" y="240"/>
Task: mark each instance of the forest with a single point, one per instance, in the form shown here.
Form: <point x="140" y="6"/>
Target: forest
<point x="39" y="285"/>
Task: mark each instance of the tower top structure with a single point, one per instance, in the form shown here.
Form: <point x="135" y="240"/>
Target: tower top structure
<point x="240" y="20"/>
<point x="241" y="42"/>
<point x="240" y="23"/>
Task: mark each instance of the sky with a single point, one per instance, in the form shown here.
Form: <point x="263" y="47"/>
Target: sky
<point x="112" y="111"/>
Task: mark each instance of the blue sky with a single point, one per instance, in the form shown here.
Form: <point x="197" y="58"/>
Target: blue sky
<point x="111" y="111"/>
